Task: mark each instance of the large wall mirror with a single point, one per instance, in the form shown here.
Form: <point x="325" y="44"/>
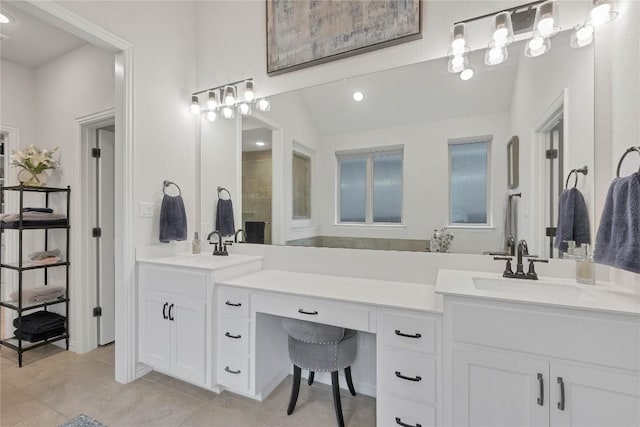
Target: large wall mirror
<point x="423" y="150"/>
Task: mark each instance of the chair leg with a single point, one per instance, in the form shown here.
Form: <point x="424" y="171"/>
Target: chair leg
<point x="335" y="386"/>
<point x="311" y="377"/>
<point x="347" y="374"/>
<point x="295" y="389"/>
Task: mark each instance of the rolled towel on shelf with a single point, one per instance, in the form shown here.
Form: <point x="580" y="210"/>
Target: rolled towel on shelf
<point x="39" y="294"/>
<point x="573" y="220"/>
<point x="40" y="255"/>
<point x="618" y="238"/>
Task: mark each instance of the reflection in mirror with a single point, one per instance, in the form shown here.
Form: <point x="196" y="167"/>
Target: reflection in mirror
<point x="301" y="183"/>
<point x="547" y="102"/>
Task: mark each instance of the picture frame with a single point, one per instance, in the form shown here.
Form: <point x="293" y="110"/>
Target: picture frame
<point x="305" y="33"/>
<point x="513" y="166"/>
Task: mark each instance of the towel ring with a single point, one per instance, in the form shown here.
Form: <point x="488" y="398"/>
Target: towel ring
<point x="167" y="183"/>
<point x="220" y="190"/>
<point x="629" y="150"/>
<point x="583" y="170"/>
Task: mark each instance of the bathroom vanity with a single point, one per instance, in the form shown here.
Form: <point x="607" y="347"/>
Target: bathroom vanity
<point x="473" y="349"/>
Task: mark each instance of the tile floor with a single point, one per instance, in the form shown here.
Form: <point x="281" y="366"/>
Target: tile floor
<point x="54" y="386"/>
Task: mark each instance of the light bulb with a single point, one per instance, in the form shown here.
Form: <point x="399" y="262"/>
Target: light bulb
<point x="581" y="36"/>
<point x="537" y="46"/>
<point x="249" y="94"/>
<point x="211" y="115"/>
<point x="212" y="102"/>
<point x="500" y="35"/>
<point x="466" y="74"/>
<point x="584" y="33"/>
<point x="495" y="55"/>
<point x="600" y="13"/>
<point x="244" y="108"/>
<point x="195" y="104"/>
<point x="263" y="104"/>
<point x="536" y="43"/>
<point x="228" y="112"/>
<point x="229" y="95"/>
<point x="545" y="26"/>
<point x="457" y="39"/>
<point x="358" y="96"/>
<point x="457" y="61"/>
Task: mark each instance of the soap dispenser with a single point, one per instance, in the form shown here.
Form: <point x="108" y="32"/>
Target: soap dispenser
<point x="585" y="267"/>
<point x="195" y="245"/>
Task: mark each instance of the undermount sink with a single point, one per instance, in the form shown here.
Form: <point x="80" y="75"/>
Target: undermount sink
<point x="533" y="289"/>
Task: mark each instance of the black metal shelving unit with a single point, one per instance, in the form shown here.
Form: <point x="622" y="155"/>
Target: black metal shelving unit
<point x="17" y="343"/>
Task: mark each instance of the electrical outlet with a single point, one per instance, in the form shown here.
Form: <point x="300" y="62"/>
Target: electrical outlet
<point x="146" y="209"/>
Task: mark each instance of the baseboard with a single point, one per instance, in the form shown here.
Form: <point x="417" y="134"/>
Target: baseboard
<point x="275" y="382"/>
<point x="142" y="370"/>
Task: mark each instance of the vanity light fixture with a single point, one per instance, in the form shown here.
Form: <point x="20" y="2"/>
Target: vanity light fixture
<point x="501" y="37"/>
<point x="581" y="36"/>
<point x="224" y="100"/>
<point x="495" y="54"/>
<point x="457" y="41"/>
<point x="601" y="13"/>
<point x="467" y="74"/>
<point x="458" y="63"/>
<point x="546" y="19"/>
<point x="358" y="96"/>
<point x="4" y="18"/>
<point x="537" y="45"/>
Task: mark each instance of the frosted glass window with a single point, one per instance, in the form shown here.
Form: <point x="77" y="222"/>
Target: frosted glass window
<point x="387" y="188"/>
<point x="353" y="189"/>
<point x="469" y="183"/>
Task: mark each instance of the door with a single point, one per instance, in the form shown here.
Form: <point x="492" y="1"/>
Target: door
<point x="593" y="397"/>
<point x="187" y="317"/>
<point x="106" y="243"/>
<point x="155" y="330"/>
<point x="499" y="389"/>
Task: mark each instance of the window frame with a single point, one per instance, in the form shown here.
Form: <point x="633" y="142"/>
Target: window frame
<point x="368" y="154"/>
<point x="488" y="139"/>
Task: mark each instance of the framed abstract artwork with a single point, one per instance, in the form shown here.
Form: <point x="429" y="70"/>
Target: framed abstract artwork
<point x="304" y="33"/>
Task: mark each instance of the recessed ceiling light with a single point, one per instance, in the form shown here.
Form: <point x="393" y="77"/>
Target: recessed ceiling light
<point x="4" y="18"/>
<point x="259" y="143"/>
<point x="358" y="96"/>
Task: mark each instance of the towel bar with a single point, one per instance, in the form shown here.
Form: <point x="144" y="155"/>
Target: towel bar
<point x="629" y="150"/>
<point x="583" y="170"/>
<point x="167" y="183"/>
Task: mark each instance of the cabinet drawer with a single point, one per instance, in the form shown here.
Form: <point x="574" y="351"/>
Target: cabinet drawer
<point x="233" y="371"/>
<point x="409" y="374"/>
<point x="314" y="310"/>
<point x="179" y="281"/>
<point x="392" y="411"/>
<point x="234" y="335"/>
<point x="233" y="301"/>
<point x="409" y="331"/>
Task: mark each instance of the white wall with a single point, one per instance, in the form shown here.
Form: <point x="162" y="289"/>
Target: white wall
<point x="426" y="183"/>
<point x="163" y="35"/>
<point x="18" y="100"/>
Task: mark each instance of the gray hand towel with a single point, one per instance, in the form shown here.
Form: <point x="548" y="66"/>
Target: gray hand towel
<point x="224" y="218"/>
<point x="173" y="219"/>
<point x="618" y="238"/>
<point x="573" y="220"/>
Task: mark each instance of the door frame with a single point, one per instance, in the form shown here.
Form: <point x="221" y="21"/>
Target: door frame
<point x="127" y="368"/>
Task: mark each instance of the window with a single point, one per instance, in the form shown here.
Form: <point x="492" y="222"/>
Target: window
<point x="469" y="181"/>
<point x="301" y="170"/>
<point x="370" y="186"/>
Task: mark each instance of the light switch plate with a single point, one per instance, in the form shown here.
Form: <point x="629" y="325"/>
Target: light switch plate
<point x="146" y="209"/>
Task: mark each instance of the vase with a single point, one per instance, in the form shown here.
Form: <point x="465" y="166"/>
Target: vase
<point x="32" y="179"/>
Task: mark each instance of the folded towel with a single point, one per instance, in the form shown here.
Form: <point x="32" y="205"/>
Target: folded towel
<point x="39" y="294"/>
<point x="50" y="260"/>
<point x="40" y="321"/>
<point x="32" y="216"/>
<point x="40" y="336"/>
<point x="573" y="220"/>
<point x="35" y="256"/>
<point x="224" y="218"/>
<point x="44" y="210"/>
<point x="618" y="238"/>
<point x="173" y="219"/>
<point x="254" y="231"/>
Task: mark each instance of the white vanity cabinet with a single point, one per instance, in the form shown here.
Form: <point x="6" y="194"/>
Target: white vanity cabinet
<point x="408" y="368"/>
<point x="173" y="329"/>
<point x="530" y="365"/>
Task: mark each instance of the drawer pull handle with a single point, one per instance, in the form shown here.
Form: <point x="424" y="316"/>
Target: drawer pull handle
<point x="235" y="337"/>
<point x="541" y="396"/>
<point x="561" y="403"/>
<point x="415" y="379"/>
<point x="400" y="334"/>
<point x="233" y="304"/>
<point x="164" y="311"/>
<point x="226" y="369"/>
<point x="400" y="423"/>
<point x="311" y="313"/>
<point x="171" y="313"/>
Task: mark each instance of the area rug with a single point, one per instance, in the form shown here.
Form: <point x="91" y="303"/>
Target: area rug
<point x="82" y="421"/>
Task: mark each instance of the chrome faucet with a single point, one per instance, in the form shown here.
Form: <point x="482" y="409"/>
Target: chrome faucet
<point x="219" y="248"/>
<point x="244" y="235"/>
<point x="523" y="251"/>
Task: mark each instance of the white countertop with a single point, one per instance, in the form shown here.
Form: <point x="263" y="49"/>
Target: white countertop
<point x="548" y="291"/>
<point x="403" y="295"/>
<point x="204" y="261"/>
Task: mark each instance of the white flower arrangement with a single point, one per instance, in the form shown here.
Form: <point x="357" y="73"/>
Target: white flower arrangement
<point x="34" y="159"/>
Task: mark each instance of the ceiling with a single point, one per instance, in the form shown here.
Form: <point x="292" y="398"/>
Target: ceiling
<point x="253" y="131"/>
<point x="31" y="42"/>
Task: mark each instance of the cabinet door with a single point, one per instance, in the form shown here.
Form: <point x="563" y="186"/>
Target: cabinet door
<point x="155" y="330"/>
<point x="189" y="338"/>
<point x="594" y="396"/>
<point x="499" y="389"/>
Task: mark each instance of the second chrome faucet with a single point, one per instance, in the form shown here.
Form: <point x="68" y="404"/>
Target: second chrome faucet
<point x="522" y="251"/>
